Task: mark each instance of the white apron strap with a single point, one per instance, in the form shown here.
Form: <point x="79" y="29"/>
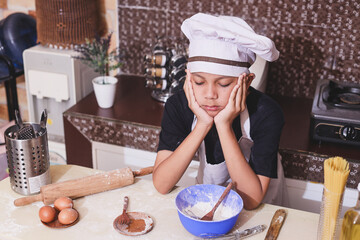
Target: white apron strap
<point x="218" y="173"/>
<point x="210" y="173"/>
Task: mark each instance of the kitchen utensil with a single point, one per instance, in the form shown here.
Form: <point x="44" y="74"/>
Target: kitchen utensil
<point x="200" y="198"/>
<point x="140" y="223"/>
<point x="85" y="186"/>
<point x="210" y="215"/>
<point x="124" y="218"/>
<point x="18" y="119"/>
<point x="25" y="131"/>
<point x="57" y="224"/>
<point x="190" y="213"/>
<point x="276" y="224"/>
<point x="43" y="121"/>
<point x="28" y="161"/>
<point x="238" y="234"/>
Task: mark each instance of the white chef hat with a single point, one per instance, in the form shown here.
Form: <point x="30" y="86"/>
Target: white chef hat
<point x="224" y="45"/>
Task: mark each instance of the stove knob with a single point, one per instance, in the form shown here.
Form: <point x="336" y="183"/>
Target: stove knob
<point x="348" y="132"/>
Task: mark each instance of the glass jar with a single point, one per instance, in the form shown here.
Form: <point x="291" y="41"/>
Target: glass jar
<point x="350" y="229"/>
<point x="329" y="221"/>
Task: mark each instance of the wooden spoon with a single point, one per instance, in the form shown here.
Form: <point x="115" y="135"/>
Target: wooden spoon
<point x="276" y="224"/>
<point x="140" y="223"/>
<point x="210" y="215"/>
<point x="124" y="218"/>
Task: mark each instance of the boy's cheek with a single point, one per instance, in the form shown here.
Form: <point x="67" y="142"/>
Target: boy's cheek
<point x="197" y="91"/>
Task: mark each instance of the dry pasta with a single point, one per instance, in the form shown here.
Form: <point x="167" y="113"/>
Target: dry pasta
<point x="336" y="172"/>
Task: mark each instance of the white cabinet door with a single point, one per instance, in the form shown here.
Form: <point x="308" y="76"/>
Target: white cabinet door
<point x="108" y="157"/>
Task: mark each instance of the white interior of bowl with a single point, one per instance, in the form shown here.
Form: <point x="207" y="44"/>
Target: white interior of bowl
<point x="196" y="201"/>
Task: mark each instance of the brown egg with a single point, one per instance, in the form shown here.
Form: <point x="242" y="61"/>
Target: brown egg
<point x="68" y="216"/>
<point x="47" y="214"/>
<point x="63" y="202"/>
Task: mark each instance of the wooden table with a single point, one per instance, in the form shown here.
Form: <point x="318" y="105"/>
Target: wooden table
<point x="98" y="211"/>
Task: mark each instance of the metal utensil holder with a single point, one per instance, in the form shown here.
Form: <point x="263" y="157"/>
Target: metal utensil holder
<point x="28" y="160"/>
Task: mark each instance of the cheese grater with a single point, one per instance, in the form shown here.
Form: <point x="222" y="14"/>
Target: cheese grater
<point x="25" y="131"/>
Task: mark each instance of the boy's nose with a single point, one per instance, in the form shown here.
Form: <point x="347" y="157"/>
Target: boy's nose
<point x="211" y="92"/>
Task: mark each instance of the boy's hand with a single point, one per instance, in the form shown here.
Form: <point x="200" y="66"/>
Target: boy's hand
<point x="237" y="101"/>
<point x="201" y="115"/>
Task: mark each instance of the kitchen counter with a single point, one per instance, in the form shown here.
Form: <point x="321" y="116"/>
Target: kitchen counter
<point x="134" y="122"/>
<point x="296" y="132"/>
<point x="98" y="211"/>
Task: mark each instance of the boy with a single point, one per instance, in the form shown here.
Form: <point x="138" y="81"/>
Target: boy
<point x="234" y="128"/>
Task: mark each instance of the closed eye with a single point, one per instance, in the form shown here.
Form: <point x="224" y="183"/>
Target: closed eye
<point x="224" y="85"/>
<point x="198" y="83"/>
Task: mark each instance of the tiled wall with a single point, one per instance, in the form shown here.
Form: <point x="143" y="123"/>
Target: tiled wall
<point x="28" y="6"/>
<point x="297" y="164"/>
<point x="317" y="39"/>
<point x="8" y="7"/>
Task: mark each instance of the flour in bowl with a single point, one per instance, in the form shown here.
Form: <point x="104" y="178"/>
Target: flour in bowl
<point x="202" y="208"/>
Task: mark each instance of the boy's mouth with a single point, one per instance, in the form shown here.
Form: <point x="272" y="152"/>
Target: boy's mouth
<point x="211" y="108"/>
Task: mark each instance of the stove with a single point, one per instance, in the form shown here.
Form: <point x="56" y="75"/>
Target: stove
<point x="335" y="114"/>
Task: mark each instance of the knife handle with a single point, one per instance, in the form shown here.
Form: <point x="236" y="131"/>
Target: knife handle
<point x="250" y="231"/>
<point x="27" y="200"/>
<point x="235" y="235"/>
<point x="143" y="171"/>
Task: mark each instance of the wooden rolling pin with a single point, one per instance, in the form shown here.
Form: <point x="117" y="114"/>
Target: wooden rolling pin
<point x="85" y="186"/>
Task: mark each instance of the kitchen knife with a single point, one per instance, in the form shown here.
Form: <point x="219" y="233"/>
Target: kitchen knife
<point x="250" y="231"/>
<point x="237" y="234"/>
<point x="84" y="186"/>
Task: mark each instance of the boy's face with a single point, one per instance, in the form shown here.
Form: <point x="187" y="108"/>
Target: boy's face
<point x="212" y="91"/>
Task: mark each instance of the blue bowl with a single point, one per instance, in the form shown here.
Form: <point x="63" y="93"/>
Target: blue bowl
<point x="207" y="195"/>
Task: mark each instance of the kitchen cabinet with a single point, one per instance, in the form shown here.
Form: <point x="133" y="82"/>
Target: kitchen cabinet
<point x="108" y="157"/>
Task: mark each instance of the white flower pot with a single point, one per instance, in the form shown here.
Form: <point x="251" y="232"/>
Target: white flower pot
<point x="105" y="89"/>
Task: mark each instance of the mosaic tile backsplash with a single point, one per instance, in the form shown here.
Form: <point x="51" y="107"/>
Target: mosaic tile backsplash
<point x="297" y="164"/>
<point x="317" y="39"/>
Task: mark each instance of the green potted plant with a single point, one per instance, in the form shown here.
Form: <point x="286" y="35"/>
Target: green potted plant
<point x="96" y="54"/>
